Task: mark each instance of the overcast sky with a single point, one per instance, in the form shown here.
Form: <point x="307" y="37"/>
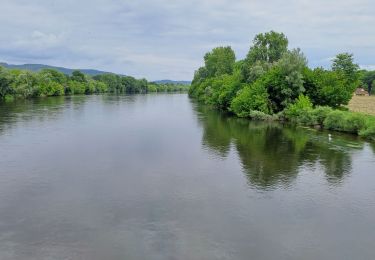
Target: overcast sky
<point x="164" y="39"/>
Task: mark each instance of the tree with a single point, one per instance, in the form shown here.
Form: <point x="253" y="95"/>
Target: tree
<point x="78" y="76"/>
<point x="200" y="75"/>
<point x="53" y="75"/>
<point x="267" y="48"/>
<point x="284" y="82"/>
<point x="5" y="81"/>
<point x="344" y="65"/>
<point x="220" y="61"/>
<point x="250" y="98"/>
<point x="111" y="80"/>
<point x="326" y="88"/>
<point x="24" y="84"/>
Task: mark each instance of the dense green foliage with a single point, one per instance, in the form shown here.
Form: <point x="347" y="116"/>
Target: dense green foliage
<point x="16" y="83"/>
<point x="219" y="61"/>
<point x="275" y="81"/>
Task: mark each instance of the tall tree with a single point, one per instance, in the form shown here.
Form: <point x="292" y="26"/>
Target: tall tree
<point x="344" y="64"/>
<point x="220" y="61"/>
<point x="284" y="82"/>
<point x="267" y="49"/>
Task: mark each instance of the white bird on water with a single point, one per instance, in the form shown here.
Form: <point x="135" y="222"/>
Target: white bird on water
<point x="329" y="137"/>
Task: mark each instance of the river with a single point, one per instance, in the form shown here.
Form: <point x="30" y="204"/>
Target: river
<point x="161" y="177"/>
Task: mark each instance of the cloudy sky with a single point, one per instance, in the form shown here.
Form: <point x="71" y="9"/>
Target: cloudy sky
<point x="166" y="39"/>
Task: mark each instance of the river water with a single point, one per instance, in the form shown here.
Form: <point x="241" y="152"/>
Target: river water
<point x="161" y="177"/>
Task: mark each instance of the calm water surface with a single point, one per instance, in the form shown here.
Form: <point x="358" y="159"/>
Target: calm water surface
<point x="160" y="177"/>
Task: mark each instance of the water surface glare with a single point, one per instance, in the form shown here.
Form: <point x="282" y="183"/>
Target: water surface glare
<point x="161" y="177"/>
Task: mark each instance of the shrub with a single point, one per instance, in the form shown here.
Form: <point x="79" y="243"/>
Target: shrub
<point x="301" y="112"/>
<point x="251" y="97"/>
<point x="300" y="107"/>
<point x="90" y="87"/>
<point x="368" y="132"/>
<point x="261" y="116"/>
<point x="49" y="89"/>
<point x="100" y="87"/>
<point x="320" y="113"/>
<point x="75" y="87"/>
<point x="345" y="121"/>
<point x="152" y="88"/>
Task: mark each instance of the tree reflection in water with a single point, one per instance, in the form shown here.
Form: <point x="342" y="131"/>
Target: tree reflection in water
<point x="273" y="154"/>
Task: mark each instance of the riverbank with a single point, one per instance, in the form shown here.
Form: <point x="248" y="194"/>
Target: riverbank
<point x="303" y="112"/>
<point x="321" y="117"/>
<point x="23" y="84"/>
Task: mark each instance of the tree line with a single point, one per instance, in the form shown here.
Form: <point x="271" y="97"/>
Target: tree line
<point x="15" y="83"/>
<point x="274" y="82"/>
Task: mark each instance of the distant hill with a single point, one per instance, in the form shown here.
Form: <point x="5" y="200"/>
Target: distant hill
<point x="38" y="67"/>
<point x="168" y="81"/>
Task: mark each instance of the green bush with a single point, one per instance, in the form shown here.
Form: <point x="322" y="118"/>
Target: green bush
<point x="320" y="113"/>
<point x="151" y="88"/>
<point x="345" y="121"/>
<point x="47" y="89"/>
<point x="222" y="90"/>
<point x="76" y="87"/>
<point x="302" y="112"/>
<point x="100" y="87"/>
<point x="300" y="107"/>
<point x="250" y="98"/>
<point x="327" y="88"/>
<point x="368" y="132"/>
<point x="261" y="116"/>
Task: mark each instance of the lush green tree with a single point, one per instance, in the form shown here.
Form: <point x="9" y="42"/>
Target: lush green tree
<point x="219" y="61"/>
<point x="344" y="65"/>
<point x="255" y="71"/>
<point x="76" y="87"/>
<point x="223" y="89"/>
<point x="53" y="75"/>
<point x="113" y="81"/>
<point x="199" y="76"/>
<point x="284" y="82"/>
<point x="5" y="81"/>
<point x="24" y="84"/>
<point x="327" y="88"/>
<point x="252" y="97"/>
<point x="129" y="85"/>
<point x="78" y="76"/>
<point x="267" y="48"/>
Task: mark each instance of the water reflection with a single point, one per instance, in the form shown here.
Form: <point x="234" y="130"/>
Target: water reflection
<point x="273" y="154"/>
<point x="39" y="109"/>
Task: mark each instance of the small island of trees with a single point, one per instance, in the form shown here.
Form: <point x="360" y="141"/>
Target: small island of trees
<point x="275" y="83"/>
